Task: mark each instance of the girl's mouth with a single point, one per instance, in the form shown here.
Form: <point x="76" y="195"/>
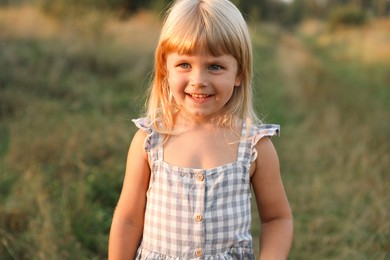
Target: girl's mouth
<point x="199" y="96"/>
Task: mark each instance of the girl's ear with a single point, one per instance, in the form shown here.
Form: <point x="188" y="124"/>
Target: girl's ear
<point x="238" y="80"/>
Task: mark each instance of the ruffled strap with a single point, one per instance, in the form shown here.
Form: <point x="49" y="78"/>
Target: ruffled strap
<point x="152" y="140"/>
<point x="143" y="123"/>
<point x="260" y="131"/>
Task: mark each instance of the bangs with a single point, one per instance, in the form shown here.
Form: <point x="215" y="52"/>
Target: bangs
<point x="187" y="42"/>
<point x="198" y="31"/>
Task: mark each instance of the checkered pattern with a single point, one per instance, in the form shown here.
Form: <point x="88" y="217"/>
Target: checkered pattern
<point x="220" y="197"/>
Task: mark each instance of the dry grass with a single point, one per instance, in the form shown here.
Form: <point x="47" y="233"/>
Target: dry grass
<point x="27" y="22"/>
<point x="140" y="31"/>
<point x="369" y="44"/>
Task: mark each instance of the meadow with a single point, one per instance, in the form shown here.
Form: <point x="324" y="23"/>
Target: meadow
<point x="70" y="86"/>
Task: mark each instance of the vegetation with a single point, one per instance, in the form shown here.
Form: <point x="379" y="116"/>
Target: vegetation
<point x="287" y="12"/>
<point x="346" y="16"/>
<point x="69" y="88"/>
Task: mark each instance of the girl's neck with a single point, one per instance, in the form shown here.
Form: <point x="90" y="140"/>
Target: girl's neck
<point x="185" y="122"/>
<point x="201" y="145"/>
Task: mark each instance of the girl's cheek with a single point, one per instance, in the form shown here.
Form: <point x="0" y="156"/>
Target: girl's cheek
<point x="175" y="79"/>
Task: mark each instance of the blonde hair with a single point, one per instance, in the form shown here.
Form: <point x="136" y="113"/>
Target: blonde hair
<point x="216" y="26"/>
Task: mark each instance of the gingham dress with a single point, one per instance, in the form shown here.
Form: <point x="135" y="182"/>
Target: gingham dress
<point x="199" y="213"/>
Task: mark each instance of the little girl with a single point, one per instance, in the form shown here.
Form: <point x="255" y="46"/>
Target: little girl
<point x="200" y="148"/>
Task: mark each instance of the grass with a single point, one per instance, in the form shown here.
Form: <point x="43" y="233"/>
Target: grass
<point x="337" y="154"/>
<point x="66" y="105"/>
<point x="69" y="89"/>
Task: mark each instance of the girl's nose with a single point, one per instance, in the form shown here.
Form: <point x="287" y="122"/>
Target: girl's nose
<point x="198" y="78"/>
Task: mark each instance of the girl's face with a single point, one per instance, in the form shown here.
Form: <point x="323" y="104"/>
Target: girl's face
<point x="202" y="84"/>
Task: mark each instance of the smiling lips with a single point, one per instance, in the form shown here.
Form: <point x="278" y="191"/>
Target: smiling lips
<point x="199" y="97"/>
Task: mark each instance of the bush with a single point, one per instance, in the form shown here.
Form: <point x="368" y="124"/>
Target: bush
<point x="63" y="7"/>
<point x="346" y="16"/>
<point x="12" y="2"/>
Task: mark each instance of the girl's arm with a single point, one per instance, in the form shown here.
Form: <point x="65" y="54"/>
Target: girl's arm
<point x="275" y="213"/>
<point x="128" y="221"/>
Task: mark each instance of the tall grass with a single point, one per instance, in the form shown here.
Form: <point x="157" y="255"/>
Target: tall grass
<point x="69" y="89"/>
<point x="337" y="151"/>
<point x="66" y="105"/>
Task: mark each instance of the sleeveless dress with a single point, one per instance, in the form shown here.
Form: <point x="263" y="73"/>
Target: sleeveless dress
<point x="199" y="213"/>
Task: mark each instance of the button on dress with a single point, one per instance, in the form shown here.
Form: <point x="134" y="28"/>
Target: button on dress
<point x="199" y="213"/>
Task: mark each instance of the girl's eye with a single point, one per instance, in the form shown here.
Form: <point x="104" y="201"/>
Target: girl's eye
<point x="184" y="65"/>
<point x="215" y="67"/>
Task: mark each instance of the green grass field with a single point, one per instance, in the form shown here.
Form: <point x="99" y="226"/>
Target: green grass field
<point x="69" y="89"/>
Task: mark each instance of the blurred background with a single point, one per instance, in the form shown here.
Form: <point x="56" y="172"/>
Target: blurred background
<point x="73" y="73"/>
